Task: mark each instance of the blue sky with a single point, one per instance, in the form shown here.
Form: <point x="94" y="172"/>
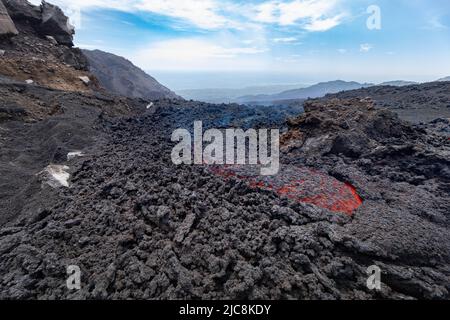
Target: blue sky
<point x="306" y="40"/>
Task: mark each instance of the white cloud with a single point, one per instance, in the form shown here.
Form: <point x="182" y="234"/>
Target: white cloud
<point x="324" y="24"/>
<point x="285" y="40"/>
<point x="365" y="47"/>
<point x="312" y="15"/>
<point x="201" y="13"/>
<point x="196" y="54"/>
<point x="435" y="24"/>
<point x="342" y="51"/>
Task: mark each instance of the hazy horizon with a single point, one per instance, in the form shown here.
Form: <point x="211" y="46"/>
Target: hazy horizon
<point x="179" y="81"/>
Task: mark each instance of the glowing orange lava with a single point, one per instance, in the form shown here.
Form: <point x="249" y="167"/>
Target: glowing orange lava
<point x="300" y="184"/>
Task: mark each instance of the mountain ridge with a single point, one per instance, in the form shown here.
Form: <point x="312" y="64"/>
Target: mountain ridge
<point x="229" y="95"/>
<point x="314" y="91"/>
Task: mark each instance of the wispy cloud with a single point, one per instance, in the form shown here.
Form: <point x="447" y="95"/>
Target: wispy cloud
<point x="196" y="54"/>
<point x="324" y="24"/>
<point x="365" y="47"/>
<point x="435" y="23"/>
<point x="311" y="15"/>
<point x="285" y="40"/>
<point x="202" y="13"/>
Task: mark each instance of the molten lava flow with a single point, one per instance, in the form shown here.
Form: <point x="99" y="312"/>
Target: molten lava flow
<point x="300" y="184"/>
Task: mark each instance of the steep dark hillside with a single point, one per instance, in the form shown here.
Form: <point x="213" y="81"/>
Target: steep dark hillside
<point x="120" y="76"/>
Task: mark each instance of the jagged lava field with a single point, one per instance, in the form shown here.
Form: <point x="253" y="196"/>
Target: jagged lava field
<point x="86" y="179"/>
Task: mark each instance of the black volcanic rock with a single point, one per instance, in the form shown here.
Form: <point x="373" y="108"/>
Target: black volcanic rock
<point x="120" y="76"/>
<point x="22" y="10"/>
<point x="55" y="23"/>
<point x="141" y="227"/>
<point x="415" y="103"/>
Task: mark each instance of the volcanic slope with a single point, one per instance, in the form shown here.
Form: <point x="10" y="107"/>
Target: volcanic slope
<point x="415" y="103"/>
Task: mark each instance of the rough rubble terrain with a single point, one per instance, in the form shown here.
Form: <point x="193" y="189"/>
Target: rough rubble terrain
<point x="40" y="126"/>
<point x="141" y="227"/>
<point x="370" y="189"/>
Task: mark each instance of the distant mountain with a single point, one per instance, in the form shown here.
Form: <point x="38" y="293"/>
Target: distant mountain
<point x="315" y="91"/>
<point x="230" y="95"/>
<point x="120" y="76"/>
<point x="398" y="83"/>
<point x="445" y="79"/>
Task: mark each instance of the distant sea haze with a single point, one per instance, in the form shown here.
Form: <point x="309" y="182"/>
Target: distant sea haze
<point x="188" y="80"/>
<point x="227" y="80"/>
<point x="278" y="94"/>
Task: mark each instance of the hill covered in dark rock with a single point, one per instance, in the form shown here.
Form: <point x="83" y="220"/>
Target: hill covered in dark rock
<point x="415" y="103"/>
<point x="120" y="76"/>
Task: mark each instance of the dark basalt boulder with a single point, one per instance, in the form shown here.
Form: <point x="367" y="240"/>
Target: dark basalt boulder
<point x="55" y="23"/>
<point x="7" y="26"/>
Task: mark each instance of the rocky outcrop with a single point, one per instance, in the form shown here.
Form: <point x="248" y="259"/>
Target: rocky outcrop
<point x="46" y="19"/>
<point x="348" y="127"/>
<point x="56" y="24"/>
<point x="7" y="27"/>
<point x="41" y="52"/>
